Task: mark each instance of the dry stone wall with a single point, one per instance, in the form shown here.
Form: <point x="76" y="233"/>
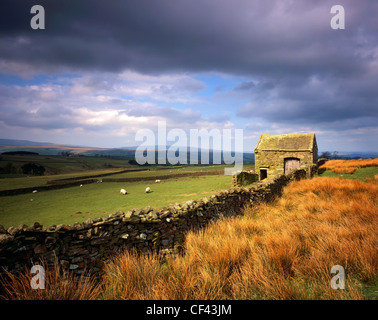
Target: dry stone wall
<point x="14" y="192"/>
<point x="89" y="244"/>
<point x="244" y="178"/>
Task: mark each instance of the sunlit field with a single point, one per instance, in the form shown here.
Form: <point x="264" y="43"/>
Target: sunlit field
<point x="282" y="250"/>
<point x="77" y="204"/>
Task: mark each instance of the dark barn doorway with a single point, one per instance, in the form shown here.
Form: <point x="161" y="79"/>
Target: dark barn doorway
<point x="263" y="174"/>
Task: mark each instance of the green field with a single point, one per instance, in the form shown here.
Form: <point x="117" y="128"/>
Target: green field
<point x="35" y="181"/>
<point x="165" y="171"/>
<point x="23" y="181"/>
<point x="58" y="168"/>
<point x="77" y="204"/>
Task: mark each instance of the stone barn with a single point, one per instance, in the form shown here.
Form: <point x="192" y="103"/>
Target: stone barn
<point x="280" y="154"/>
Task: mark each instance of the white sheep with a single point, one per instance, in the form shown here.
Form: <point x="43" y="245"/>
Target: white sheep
<point x="81" y="185"/>
<point x="157" y="181"/>
<point x="123" y="191"/>
<point x="148" y="190"/>
<point x="34" y="191"/>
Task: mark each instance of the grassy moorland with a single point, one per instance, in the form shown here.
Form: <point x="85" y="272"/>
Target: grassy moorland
<point x="59" y="168"/>
<point x="348" y="166"/>
<point x="281" y="250"/>
<point x="361" y="169"/>
<point x="75" y="204"/>
<point x="362" y="174"/>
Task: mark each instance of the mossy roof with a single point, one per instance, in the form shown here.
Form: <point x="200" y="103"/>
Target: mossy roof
<point x="286" y="142"/>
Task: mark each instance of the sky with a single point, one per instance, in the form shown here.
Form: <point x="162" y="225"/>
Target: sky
<point x="102" y="70"/>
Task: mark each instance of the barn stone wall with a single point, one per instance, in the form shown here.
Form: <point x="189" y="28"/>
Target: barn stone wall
<point x="274" y="160"/>
<point x="90" y="244"/>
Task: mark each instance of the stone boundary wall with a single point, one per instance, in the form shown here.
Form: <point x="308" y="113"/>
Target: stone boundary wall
<point x="89" y="244"/>
<point x="13" y="192"/>
<point x="311" y="170"/>
<point x="244" y="178"/>
<point x="65" y="180"/>
<point x="72" y="182"/>
<point x="168" y="176"/>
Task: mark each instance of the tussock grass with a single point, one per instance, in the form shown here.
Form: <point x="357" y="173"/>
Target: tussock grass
<point x="59" y="285"/>
<point x="283" y="250"/>
<point x="348" y="166"/>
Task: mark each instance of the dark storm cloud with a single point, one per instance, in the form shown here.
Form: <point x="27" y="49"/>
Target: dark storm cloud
<point x="314" y="100"/>
<point x="248" y="37"/>
<point x="300" y="69"/>
<point x="245" y="85"/>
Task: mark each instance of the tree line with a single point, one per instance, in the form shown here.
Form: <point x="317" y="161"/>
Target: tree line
<point x="30" y="168"/>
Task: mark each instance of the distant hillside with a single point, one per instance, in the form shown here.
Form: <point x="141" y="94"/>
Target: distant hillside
<point x="12" y="142"/>
<point x="50" y="149"/>
<point x="352" y="154"/>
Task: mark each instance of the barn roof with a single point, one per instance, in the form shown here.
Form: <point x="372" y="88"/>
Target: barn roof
<point x="286" y="142"/>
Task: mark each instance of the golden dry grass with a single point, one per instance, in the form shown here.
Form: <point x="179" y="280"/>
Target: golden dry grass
<point x="59" y="285"/>
<point x="283" y="250"/>
<point x="348" y="166"/>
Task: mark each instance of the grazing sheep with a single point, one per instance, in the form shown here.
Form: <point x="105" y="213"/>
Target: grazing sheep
<point x="81" y="185"/>
<point x="148" y="190"/>
<point x="34" y="191"/>
<point x="157" y="181"/>
<point x="123" y="191"/>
